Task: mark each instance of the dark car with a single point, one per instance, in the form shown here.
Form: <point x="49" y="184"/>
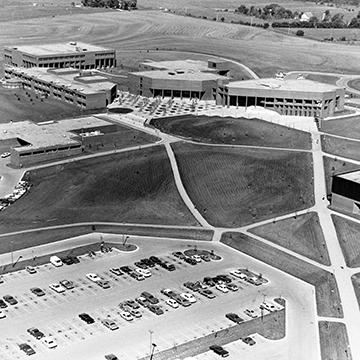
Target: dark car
<point x="36" y="333"/>
<point x="67" y="284"/>
<point x="37" y="291"/>
<point x="209" y="281"/>
<point x="155" y="260"/>
<point x="179" y="255"/>
<point x="111" y="357"/>
<point x="206" y="258"/>
<point x="136" y="275"/>
<point x="3" y="305"/>
<point x="190" y="261"/>
<point x="143" y="301"/>
<point x="155" y="309"/>
<point x="168" y="267"/>
<point x="234" y="318"/>
<point x="75" y="259"/>
<point x="207" y="293"/>
<point x="224" y="278"/>
<point x="132" y="303"/>
<point x="27" y="349"/>
<point x="219" y="350"/>
<point x="126" y="269"/>
<point x="148" y="262"/>
<point x="87" y="318"/>
<point x="190" y="285"/>
<point x="248" y="340"/>
<point x="10" y="299"/>
<point x="150" y="297"/>
<point x="181" y="300"/>
<point x="67" y="261"/>
<point x="140" y="265"/>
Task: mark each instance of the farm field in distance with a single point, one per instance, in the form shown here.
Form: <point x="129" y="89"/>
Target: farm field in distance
<point x="301" y="234"/>
<point x="224" y="185"/>
<point x="135" y="186"/>
<point x="233" y="131"/>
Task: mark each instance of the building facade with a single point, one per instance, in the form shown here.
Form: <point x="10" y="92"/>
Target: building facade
<point x="74" y="54"/>
<point x="299" y="97"/>
<point x="84" y="89"/>
<point x="345" y="191"/>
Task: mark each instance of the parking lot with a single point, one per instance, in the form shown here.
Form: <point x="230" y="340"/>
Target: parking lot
<point x="56" y="314"/>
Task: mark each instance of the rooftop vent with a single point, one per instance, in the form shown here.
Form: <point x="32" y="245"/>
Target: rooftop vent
<point x="73" y="43"/>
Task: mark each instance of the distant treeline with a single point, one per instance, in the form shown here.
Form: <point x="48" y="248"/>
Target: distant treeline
<point x="115" y="4"/>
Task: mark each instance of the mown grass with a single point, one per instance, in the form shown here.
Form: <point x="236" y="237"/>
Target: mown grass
<point x="341" y="147"/>
<point x="301" y="234"/>
<point x="233" y="131"/>
<point x="347" y="127"/>
<point x="232" y="187"/>
<point x="326" y="290"/>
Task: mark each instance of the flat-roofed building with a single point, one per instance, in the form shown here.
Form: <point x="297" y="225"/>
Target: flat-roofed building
<point x="299" y="97"/>
<point x="73" y="54"/>
<point x="346" y="191"/>
<point x="179" y="79"/>
<point x="84" y="89"/>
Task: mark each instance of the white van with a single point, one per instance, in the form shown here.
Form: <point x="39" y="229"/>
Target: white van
<point x="56" y="261"/>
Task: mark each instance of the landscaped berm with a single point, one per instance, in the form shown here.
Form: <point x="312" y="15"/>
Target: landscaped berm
<point x="232" y="187"/>
<point x="242" y="131"/>
<point x="136" y="187"/>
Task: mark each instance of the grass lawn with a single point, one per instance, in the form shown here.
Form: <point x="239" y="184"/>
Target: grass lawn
<point x="236" y="186"/>
<point x="341" y="147"/>
<point x="218" y="130"/>
<point x="334" y="342"/>
<point x="347" y="127"/>
<point x="20" y="105"/>
<point x="302" y="234"/>
<point x="326" y="290"/>
<point x="355" y="84"/>
<point x="356" y="283"/>
<point x="348" y="233"/>
<point x="333" y="166"/>
<point x="135" y="187"/>
<point x="327" y="79"/>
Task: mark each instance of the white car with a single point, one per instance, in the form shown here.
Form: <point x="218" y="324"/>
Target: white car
<point x="93" y="277"/>
<point x="189" y="297"/>
<point x="144" y="272"/>
<point x="56" y="261"/>
<point x="238" y="274"/>
<point x="197" y="258"/>
<point x="5" y="154"/>
<point x="222" y="288"/>
<point x="2" y="315"/>
<point x="126" y="315"/>
<point x="49" y="342"/>
<point x="57" y="287"/>
<point x="171" y="302"/>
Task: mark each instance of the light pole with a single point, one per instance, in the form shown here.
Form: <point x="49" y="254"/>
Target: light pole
<point x="150" y="334"/>
<point x="152" y="350"/>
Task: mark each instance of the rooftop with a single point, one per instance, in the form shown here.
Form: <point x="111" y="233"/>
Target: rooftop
<point x="57" y="49"/>
<point x="184" y="65"/>
<point x="47" y="134"/>
<point x="352" y="176"/>
<point x="284" y="84"/>
<point x="69" y="77"/>
<point x="190" y="75"/>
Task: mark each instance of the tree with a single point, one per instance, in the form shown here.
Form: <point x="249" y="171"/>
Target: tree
<point x="222" y="19"/>
<point x="300" y="33"/>
<point x="266" y="25"/>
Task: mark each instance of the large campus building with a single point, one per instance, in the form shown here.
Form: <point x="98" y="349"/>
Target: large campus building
<point x="73" y="54"/>
<point x="179" y="79"/>
<point x="84" y="89"/>
<point x="346" y="192"/>
<point x="299" y="97"/>
<point x="32" y="143"/>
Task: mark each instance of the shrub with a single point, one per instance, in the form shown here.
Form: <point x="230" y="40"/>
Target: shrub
<point x="300" y="33"/>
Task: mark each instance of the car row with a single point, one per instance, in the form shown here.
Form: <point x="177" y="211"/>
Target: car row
<point x="249" y="276"/>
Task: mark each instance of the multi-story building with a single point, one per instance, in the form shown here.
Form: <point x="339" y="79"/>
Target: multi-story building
<point x="299" y="97"/>
<point x="73" y="54"/>
<point x="85" y="89"/>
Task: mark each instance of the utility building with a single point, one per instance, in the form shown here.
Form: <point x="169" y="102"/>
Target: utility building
<point x="299" y="97"/>
<point x="346" y="192"/>
<point x="73" y="54"/>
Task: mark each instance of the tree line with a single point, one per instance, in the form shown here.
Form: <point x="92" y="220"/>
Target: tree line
<point x="115" y="4"/>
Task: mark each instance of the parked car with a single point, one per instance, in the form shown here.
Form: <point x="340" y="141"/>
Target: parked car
<point x="116" y="271"/>
<point x="156" y="309"/>
<point x="2" y="315"/>
<point x="134" y="312"/>
<point x="190" y="260"/>
<point x="150" y="297"/>
<point x="239" y="274"/>
<point x="49" y="342"/>
<point x="110" y="324"/>
<point x="181" y="300"/>
<point x="140" y="264"/>
<point x="179" y="255"/>
<point x="93" y="277"/>
<point x="30" y="269"/>
<point x="250" y="313"/>
<point x="10" y="299"/>
<point x="36" y="333"/>
<point x="222" y="287"/>
<point x="87" y="318"/>
<point x="132" y="304"/>
<point x="111" y="357"/>
<point x="155" y="260"/>
<point x="148" y="262"/>
<point x="205" y="258"/>
<point x="171" y="302"/>
<point x="191" y="286"/>
<point x="135" y="275"/>
<point x="219" y="350"/>
<point x="197" y="258"/>
<point x="234" y="318"/>
<point x="56" y="261"/>
<point x="3" y="305"/>
<point x="104" y="284"/>
<point x="222" y="278"/>
<point x="67" y="284"/>
<point x="209" y="281"/>
<point x="143" y="301"/>
<point x="57" y="287"/>
<point x="75" y="259"/>
<point x="126" y="315"/>
<point x="207" y="293"/>
<point x="37" y="291"/>
<point x="144" y="272"/>
<point x="248" y="340"/>
<point x="189" y="297"/>
<point x="232" y="287"/>
<point x="27" y="349"/>
<point x="126" y="269"/>
<point x="67" y="261"/>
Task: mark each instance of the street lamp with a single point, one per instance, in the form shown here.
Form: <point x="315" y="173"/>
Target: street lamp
<point x="152" y="350"/>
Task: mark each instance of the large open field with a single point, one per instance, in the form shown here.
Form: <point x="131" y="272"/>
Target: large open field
<point x="218" y="130"/>
<point x="135" y="187"/>
<point x="236" y="186"/>
<point x="327" y="293"/>
<point x="348" y="233"/>
<point x="264" y="51"/>
<point x="302" y="234"/>
<point x="347" y="127"/>
<point x="355" y="84"/>
<point x="341" y="147"/>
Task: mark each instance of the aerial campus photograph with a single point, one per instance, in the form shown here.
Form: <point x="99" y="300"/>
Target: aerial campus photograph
<point x="180" y="179"/>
